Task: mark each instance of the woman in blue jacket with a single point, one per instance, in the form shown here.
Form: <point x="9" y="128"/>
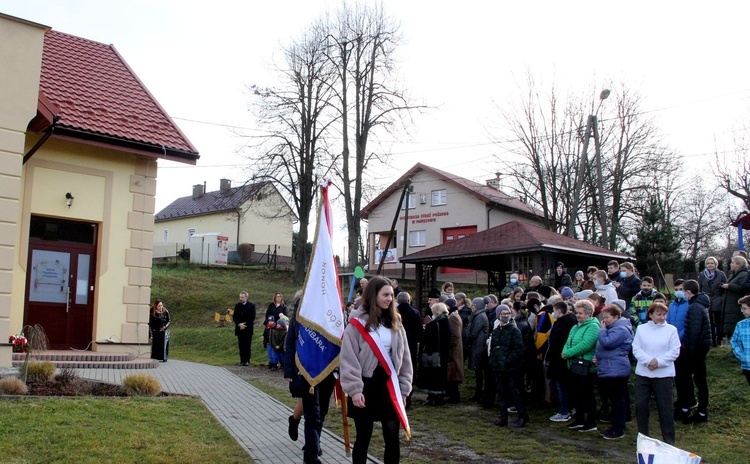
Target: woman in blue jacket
<point x="613" y="365"/>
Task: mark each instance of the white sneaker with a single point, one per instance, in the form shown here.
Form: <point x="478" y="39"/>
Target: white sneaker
<point x="512" y="409"/>
<point x="560" y="418"/>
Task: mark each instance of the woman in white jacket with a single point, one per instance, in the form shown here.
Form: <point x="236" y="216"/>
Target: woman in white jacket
<point x="655" y="347"/>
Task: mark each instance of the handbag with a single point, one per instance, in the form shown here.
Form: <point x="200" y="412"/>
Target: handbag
<point x="430" y="360"/>
<point x="579" y="366"/>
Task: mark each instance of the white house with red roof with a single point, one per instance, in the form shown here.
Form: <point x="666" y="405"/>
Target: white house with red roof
<point x="442" y="207"/>
<point x="80" y="136"/>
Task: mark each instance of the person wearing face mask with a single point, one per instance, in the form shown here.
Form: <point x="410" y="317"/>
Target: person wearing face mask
<point x="642" y="300"/>
<point x="513" y="284"/>
<point x="506" y="359"/>
<point x="604" y="287"/>
<point x="630" y="284"/>
<point x="678" y="308"/>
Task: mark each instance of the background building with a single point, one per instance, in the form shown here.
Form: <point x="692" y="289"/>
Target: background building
<point x="252" y="213"/>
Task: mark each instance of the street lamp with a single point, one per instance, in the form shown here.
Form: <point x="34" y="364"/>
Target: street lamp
<point x="592" y="129"/>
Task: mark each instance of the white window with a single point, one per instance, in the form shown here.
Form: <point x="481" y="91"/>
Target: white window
<point x="190" y="233"/>
<point x="417" y="238"/>
<point x="439" y="197"/>
<point x="412" y="201"/>
<point x="165" y="236"/>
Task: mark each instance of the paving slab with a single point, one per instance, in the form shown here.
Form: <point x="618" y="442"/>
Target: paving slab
<point x="255" y="419"/>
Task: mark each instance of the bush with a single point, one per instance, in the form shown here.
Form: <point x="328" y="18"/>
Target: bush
<point x="141" y="385"/>
<point x="245" y="250"/>
<point x="40" y="371"/>
<point x="12" y="386"/>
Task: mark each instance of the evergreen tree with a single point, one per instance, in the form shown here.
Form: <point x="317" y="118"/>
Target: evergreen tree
<point x="657" y="242"/>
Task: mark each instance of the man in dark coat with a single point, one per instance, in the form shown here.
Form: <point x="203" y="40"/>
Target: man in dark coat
<point x="561" y="278"/>
<point x="412" y="322"/>
<point x="244" y="317"/>
<point x="506" y="359"/>
<point x="477" y="344"/>
<point x="630" y="284"/>
<point x="696" y="342"/>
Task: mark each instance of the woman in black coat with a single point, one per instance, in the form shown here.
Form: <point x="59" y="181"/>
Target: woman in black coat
<point x="158" y="323"/>
<point x="436" y="339"/>
<point x="733" y="292"/>
<point x="710" y="281"/>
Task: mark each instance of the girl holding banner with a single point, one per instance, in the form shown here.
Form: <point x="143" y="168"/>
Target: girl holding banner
<point x="376" y="370"/>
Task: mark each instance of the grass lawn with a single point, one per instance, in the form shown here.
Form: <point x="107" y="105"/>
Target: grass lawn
<point x="95" y="430"/>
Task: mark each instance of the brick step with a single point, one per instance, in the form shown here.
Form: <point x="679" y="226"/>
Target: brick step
<point x="89" y="360"/>
<point x="133" y="364"/>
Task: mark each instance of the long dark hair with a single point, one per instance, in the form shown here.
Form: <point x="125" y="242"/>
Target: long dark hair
<point x="153" y="308"/>
<point x="388" y="317"/>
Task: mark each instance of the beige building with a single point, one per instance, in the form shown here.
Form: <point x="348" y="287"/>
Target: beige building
<point x="252" y="213"/>
<point x="442" y="207"/>
<point x="79" y="139"/>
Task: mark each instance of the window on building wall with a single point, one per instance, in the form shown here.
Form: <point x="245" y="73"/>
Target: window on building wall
<point x="165" y="236"/>
<point x="412" y="201"/>
<point x="190" y="233"/>
<point x="439" y="197"/>
<point x="417" y="238"/>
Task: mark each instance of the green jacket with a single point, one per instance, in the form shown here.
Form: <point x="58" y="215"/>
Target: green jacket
<point x="582" y="341"/>
<point x="506" y="349"/>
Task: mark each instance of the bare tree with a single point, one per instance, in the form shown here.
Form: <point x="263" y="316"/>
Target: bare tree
<point x="362" y="43"/>
<point x="547" y="151"/>
<point x="733" y="171"/>
<point x="701" y="219"/>
<point x="545" y="131"/>
<point x="298" y="116"/>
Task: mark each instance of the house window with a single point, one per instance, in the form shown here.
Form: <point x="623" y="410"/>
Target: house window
<point x="190" y="233"/>
<point x="412" y="201"/>
<point x="165" y="236"/>
<point x="417" y="238"/>
<point x="439" y="197"/>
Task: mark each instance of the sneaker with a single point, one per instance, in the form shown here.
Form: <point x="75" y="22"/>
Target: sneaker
<point x="512" y="409"/>
<point x="588" y="428"/>
<point x="560" y="417"/>
<point x="520" y="422"/>
<point x="575" y="425"/>
<point x="612" y="435"/>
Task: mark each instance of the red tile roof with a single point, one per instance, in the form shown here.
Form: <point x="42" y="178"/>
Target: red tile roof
<point x="511" y="237"/>
<point x="480" y="191"/>
<point x="98" y="97"/>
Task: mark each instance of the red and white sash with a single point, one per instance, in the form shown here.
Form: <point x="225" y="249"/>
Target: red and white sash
<point x="394" y="390"/>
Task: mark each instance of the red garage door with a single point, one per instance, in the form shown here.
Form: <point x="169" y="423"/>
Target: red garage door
<point x="456" y="233"/>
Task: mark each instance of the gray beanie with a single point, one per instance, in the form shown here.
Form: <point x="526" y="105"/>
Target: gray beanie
<point x="501" y="307"/>
<point x="621" y="304"/>
<point x="479" y="303"/>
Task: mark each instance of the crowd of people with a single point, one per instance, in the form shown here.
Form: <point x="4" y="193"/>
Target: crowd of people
<point x="571" y="344"/>
<point x="578" y="344"/>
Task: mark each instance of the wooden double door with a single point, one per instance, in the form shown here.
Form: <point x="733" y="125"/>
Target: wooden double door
<point x="60" y="281"/>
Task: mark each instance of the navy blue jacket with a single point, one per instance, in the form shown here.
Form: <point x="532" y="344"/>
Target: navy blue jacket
<point x="613" y="349"/>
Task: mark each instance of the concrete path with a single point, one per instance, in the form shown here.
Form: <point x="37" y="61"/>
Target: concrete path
<point x="256" y="420"/>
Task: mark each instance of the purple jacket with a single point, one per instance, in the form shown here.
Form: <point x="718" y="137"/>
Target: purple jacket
<point x="613" y="349"/>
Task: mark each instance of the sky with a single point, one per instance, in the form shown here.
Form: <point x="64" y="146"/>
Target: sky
<point x="462" y="59"/>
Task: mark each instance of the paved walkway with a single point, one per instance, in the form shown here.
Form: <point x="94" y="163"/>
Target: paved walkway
<point x="250" y="415"/>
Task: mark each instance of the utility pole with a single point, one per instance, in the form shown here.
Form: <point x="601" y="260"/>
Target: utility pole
<point x="579" y="179"/>
<point x="600" y="182"/>
<point x="406" y="230"/>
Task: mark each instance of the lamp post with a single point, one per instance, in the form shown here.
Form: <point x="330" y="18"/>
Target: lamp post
<point x="592" y="129"/>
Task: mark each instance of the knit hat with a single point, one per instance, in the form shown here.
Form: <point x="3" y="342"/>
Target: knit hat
<point x="532" y="303"/>
<point x="621" y="304"/>
<point x="566" y="292"/>
<point x="560" y="264"/>
<point x="479" y="303"/>
<point x="545" y="291"/>
<point x="450" y="303"/>
<point x="501" y="307"/>
<point x="583" y="294"/>
<point x="579" y="273"/>
<point x="434" y="293"/>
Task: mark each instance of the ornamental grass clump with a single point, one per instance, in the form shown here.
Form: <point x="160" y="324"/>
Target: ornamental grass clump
<point x="141" y="385"/>
<point x="12" y="386"/>
<point x="40" y="372"/>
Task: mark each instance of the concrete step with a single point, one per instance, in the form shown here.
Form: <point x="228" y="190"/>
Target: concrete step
<point x="89" y="360"/>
